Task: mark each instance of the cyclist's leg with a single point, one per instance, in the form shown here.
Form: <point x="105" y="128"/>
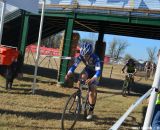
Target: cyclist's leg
<point x="125" y="81"/>
<point x="92" y="95"/>
<point x="92" y="100"/>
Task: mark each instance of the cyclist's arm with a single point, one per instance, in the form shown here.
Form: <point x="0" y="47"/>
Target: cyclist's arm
<point x="73" y="67"/>
<point x="124" y="68"/>
<point x="97" y="69"/>
<point x="135" y="70"/>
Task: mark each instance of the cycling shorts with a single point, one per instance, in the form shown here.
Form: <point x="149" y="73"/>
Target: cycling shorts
<point x="90" y="73"/>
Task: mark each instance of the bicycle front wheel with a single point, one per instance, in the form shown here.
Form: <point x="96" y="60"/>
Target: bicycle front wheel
<point x="70" y="112"/>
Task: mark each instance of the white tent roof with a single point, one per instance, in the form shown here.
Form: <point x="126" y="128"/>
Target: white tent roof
<point x="9" y="8"/>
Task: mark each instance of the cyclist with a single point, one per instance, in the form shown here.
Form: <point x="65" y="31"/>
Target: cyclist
<point x="90" y="75"/>
<point x="130" y="67"/>
<point x="148" y="67"/>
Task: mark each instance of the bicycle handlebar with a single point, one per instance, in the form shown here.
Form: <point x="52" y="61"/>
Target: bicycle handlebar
<point x="130" y="73"/>
<point x="83" y="86"/>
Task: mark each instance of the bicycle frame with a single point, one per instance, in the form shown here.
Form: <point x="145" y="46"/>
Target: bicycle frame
<point x="84" y="100"/>
<point x="128" y="79"/>
<point x="74" y="107"/>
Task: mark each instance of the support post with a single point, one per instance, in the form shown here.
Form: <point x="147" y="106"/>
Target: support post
<point x="23" y="37"/>
<point x="100" y="48"/>
<point x="66" y="50"/>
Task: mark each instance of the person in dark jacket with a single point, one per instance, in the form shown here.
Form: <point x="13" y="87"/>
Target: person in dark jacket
<point x="12" y="72"/>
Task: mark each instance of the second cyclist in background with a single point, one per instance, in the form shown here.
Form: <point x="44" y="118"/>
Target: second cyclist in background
<point x="91" y="73"/>
<point x="129" y="67"/>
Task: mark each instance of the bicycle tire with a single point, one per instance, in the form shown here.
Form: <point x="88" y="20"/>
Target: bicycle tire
<point x="125" y="87"/>
<point x="71" y="112"/>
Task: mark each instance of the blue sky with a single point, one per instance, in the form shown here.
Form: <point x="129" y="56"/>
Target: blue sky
<point x="137" y="47"/>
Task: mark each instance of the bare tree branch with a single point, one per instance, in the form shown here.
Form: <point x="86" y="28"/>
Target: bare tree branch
<point x="117" y="48"/>
<point x="151" y="54"/>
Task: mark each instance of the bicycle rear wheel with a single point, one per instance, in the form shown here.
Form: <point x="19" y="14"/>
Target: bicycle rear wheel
<point x="70" y="112"/>
<point x="125" y="88"/>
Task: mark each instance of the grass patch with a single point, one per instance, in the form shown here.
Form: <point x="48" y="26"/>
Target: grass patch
<point x="20" y="109"/>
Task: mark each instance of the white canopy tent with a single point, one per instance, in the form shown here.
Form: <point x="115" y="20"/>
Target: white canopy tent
<point x="28" y="5"/>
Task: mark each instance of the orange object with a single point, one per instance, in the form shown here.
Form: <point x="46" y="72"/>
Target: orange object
<point x="8" y="55"/>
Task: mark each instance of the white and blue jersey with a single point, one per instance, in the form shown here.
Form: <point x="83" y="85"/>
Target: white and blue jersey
<point x="93" y="65"/>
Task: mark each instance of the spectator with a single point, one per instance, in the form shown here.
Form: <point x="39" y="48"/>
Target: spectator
<point x="153" y="65"/>
<point x="12" y="72"/>
<point x="147" y="69"/>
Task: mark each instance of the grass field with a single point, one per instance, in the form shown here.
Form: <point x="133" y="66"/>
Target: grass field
<point x="21" y="110"/>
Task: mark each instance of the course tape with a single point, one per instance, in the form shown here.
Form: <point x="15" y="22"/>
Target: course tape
<point x="64" y="57"/>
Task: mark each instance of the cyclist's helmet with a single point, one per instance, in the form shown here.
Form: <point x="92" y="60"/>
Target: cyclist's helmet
<point x="130" y="60"/>
<point x="86" y="49"/>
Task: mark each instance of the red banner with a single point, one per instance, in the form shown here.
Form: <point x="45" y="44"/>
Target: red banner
<point x="45" y="50"/>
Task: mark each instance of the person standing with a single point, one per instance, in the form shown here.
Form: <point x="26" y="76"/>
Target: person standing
<point x="12" y="72"/>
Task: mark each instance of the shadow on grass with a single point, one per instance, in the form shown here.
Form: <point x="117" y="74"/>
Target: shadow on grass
<point x="117" y="85"/>
<point x="25" y="127"/>
<point x="110" y="121"/>
<point x="28" y="91"/>
<point x="137" y="88"/>
<point x="44" y="72"/>
<point x="33" y="115"/>
<point x="50" y="93"/>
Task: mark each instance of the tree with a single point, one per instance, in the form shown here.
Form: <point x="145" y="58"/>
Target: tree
<point x="120" y="48"/>
<point x="117" y="47"/>
<point x="112" y="48"/>
<point x="127" y="57"/>
<point x="151" y="54"/>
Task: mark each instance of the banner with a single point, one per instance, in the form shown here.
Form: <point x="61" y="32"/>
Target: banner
<point x="134" y="4"/>
<point x="28" y="5"/>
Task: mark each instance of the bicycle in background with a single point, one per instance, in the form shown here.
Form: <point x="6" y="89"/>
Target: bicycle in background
<point x="78" y="102"/>
<point x="127" y="84"/>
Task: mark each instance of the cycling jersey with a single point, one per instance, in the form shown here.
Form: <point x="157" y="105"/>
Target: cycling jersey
<point x="130" y="68"/>
<point x="93" y="65"/>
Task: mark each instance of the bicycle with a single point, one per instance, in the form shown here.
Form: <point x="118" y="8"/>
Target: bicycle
<point x="75" y="104"/>
<point x="126" y="84"/>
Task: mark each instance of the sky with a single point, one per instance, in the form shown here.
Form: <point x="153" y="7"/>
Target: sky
<point x="137" y="47"/>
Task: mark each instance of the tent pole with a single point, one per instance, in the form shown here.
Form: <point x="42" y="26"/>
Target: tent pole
<point x="2" y="19"/>
<point x="38" y="46"/>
